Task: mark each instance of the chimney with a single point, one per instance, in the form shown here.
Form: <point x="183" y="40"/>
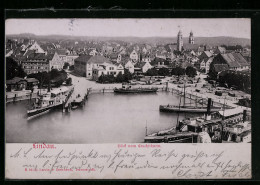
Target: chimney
<point x="244" y="116"/>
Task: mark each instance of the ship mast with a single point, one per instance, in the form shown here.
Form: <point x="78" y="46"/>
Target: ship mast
<point x="222" y="122"/>
<point x="146" y="129"/>
<point x="177" y="125"/>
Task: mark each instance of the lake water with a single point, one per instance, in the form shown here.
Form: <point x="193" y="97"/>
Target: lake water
<point x="106" y="118"/>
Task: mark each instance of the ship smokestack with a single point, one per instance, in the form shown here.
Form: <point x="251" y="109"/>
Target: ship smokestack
<point x="209" y="106"/>
<point x="244" y="116"/>
<point x="49" y="87"/>
<point x="208" y="116"/>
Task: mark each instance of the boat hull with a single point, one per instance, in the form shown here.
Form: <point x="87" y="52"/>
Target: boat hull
<point x="38" y="112"/>
<point x="141" y="90"/>
<point x="166" y="108"/>
<point x="175" y="138"/>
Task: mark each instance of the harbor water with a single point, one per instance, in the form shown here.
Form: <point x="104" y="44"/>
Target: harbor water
<point x="105" y="118"/>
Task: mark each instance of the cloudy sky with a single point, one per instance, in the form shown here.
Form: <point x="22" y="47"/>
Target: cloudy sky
<point x="131" y="27"/>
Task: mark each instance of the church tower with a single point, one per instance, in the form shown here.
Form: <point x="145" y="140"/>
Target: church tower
<point x="179" y="41"/>
<point x="191" y="38"/>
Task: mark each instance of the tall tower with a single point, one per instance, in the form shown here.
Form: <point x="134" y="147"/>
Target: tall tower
<point x="179" y="41"/>
<point x="191" y="38"/>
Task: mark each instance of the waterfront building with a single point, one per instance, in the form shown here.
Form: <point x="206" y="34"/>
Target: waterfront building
<point x="129" y="65"/>
<point x="18" y="84"/>
<point x="143" y="66"/>
<point x="36" y="62"/>
<point x="107" y="68"/>
<point x="84" y="64"/>
<point x="205" y="64"/>
<point x="235" y="61"/>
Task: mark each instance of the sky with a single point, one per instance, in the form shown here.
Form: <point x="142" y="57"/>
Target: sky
<point x="234" y="27"/>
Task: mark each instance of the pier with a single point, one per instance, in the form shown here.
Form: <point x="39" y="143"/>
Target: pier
<point x="198" y="98"/>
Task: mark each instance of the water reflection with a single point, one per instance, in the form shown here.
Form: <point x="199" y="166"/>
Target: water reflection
<point x="105" y="118"/>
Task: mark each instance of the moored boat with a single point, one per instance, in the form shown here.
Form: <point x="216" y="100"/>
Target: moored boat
<point x="48" y="101"/>
<point x="129" y="89"/>
<point x="191" y="109"/>
<point x="78" y="101"/>
<point x="212" y="127"/>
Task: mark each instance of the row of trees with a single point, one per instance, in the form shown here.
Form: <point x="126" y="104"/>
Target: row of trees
<point x="236" y="47"/>
<point x="13" y="69"/>
<point x="67" y="65"/>
<point x="178" y="71"/>
<point x="239" y="80"/>
<point x="46" y="78"/>
<point x="118" y="79"/>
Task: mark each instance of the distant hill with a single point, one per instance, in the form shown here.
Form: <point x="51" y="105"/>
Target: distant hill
<point x="212" y="41"/>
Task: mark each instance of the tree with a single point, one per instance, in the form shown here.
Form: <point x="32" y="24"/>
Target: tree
<point x="43" y="77"/>
<point x="72" y="67"/>
<point x="13" y="69"/>
<point x="127" y="75"/>
<point x="239" y="80"/>
<point x="101" y="78"/>
<point x="224" y="46"/>
<point x="191" y="71"/>
<point x="178" y="71"/>
<point x="239" y="47"/>
<point x="54" y="73"/>
<point x="120" y="77"/>
<point x="163" y="72"/>
<point x="66" y="65"/>
<point x="69" y="81"/>
<point x="152" y="72"/>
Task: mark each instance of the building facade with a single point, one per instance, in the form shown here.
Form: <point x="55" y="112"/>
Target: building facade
<point x="56" y="62"/>
<point x="70" y="58"/>
<point x="107" y="69"/>
<point x="84" y="64"/>
<point x="36" y="63"/>
<point x="134" y="55"/>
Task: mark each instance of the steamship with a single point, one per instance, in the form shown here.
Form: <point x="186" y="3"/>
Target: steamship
<point x="53" y="99"/>
<point x="128" y="89"/>
<point x="206" y="129"/>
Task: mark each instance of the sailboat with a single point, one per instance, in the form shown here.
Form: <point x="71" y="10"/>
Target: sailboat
<point x="187" y="108"/>
<point x="188" y="130"/>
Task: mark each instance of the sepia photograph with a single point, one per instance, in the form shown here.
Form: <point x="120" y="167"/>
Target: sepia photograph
<point x="94" y="81"/>
<point x="124" y="98"/>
